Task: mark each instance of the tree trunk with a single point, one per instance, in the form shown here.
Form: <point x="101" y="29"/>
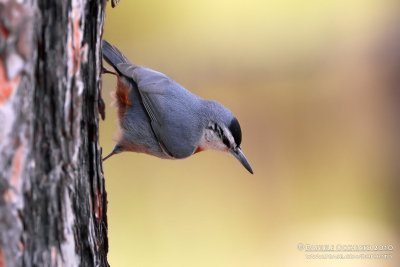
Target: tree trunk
<point x="52" y="198"/>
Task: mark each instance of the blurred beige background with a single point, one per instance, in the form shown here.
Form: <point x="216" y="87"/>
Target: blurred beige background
<point x="315" y="86"/>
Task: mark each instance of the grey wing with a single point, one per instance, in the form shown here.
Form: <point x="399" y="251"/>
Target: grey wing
<point x="171" y="108"/>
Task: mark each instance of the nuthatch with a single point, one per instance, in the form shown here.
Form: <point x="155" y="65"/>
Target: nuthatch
<point x="159" y="117"/>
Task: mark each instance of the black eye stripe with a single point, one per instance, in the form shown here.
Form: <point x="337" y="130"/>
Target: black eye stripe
<point x="226" y="141"/>
<point x="217" y="130"/>
<point x="220" y="133"/>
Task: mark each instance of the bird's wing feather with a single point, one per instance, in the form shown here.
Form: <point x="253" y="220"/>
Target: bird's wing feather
<point x="172" y="116"/>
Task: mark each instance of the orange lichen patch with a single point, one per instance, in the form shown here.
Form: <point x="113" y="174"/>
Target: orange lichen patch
<point x="16" y="168"/>
<point x="7" y="196"/>
<point x="74" y="45"/>
<point x="2" y="260"/>
<point x="53" y="255"/>
<point x="6" y="86"/>
<point x="10" y="195"/>
<point x="4" y="31"/>
<point x="76" y="40"/>
<point x="77" y="34"/>
<point x="122" y="99"/>
<point x="21" y="245"/>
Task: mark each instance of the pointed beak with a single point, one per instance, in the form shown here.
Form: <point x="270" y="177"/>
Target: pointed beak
<point x="240" y="156"/>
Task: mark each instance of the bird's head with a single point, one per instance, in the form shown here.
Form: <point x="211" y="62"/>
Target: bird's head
<point x="222" y="132"/>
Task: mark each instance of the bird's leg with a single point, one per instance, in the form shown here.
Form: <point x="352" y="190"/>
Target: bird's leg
<point x="104" y="71"/>
<point x="117" y="149"/>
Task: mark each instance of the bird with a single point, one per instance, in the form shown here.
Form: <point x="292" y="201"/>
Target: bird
<point x="159" y="117"/>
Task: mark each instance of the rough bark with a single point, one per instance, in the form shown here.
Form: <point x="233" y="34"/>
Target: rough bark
<point x="52" y="197"/>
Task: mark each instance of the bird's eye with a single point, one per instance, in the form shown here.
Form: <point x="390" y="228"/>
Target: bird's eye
<point x="226" y="141"/>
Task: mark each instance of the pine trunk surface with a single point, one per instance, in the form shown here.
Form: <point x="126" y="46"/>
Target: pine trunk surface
<point x="53" y="201"/>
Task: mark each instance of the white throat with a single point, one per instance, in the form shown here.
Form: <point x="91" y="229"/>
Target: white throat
<point x="210" y="140"/>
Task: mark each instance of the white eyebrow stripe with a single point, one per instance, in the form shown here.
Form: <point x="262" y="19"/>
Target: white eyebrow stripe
<point x="228" y="135"/>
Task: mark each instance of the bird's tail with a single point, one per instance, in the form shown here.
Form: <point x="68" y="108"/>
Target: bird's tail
<point x="112" y="55"/>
